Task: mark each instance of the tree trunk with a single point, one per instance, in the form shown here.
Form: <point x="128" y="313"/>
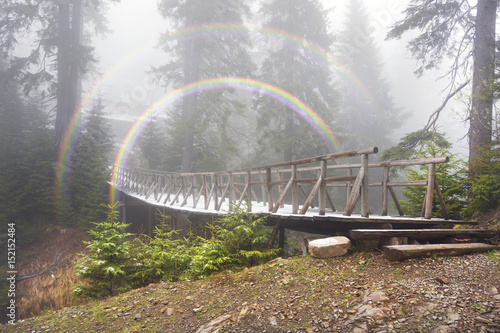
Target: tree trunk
<point x="75" y="70"/>
<point x="288" y="151"/>
<point x="482" y="93"/>
<point x="63" y="72"/>
<point x="191" y="74"/>
<point x="70" y="22"/>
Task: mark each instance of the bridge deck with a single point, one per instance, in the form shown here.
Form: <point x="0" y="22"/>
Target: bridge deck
<point x="311" y="222"/>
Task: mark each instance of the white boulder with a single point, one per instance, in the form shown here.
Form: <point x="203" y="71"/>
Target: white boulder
<point x="329" y="247"/>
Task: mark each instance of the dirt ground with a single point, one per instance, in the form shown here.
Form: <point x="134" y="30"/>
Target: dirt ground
<point x="358" y="292"/>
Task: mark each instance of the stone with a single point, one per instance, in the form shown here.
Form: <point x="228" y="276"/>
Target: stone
<point x="376" y="296"/>
<point x="491" y="290"/>
<point x="304" y="245"/>
<point x="442" y="329"/>
<point x="273" y="321"/>
<point x="329" y="247"/>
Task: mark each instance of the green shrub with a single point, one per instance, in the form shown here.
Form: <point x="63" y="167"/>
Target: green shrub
<point x="162" y="257"/>
<point x="108" y="265"/>
<point x="484" y="189"/>
<point x="450" y="176"/>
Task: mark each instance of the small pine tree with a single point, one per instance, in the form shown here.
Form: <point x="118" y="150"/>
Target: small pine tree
<point x="109" y="264"/>
<point x="162" y="257"/>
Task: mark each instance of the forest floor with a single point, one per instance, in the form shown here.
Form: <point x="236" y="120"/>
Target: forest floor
<point x="358" y="292"/>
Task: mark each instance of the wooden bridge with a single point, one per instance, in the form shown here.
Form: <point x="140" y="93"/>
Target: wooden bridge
<point x="324" y="194"/>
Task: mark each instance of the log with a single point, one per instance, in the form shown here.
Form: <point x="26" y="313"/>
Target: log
<point x="402" y="252"/>
<point x="357" y="234"/>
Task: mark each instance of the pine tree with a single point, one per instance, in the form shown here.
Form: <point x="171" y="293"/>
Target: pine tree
<point x="152" y="146"/>
<point x="57" y="31"/>
<point x="202" y="121"/>
<point x="26" y="161"/>
<point x="91" y="167"/>
<point x="368" y="120"/>
<point x="297" y="73"/>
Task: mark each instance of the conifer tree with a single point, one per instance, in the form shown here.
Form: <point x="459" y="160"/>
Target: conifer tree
<point x="298" y="73"/>
<point x="152" y="146"/>
<point x="202" y="120"/>
<point x="368" y="119"/>
<point x="91" y="167"/>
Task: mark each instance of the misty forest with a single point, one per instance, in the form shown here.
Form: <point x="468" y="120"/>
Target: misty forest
<point x="417" y="79"/>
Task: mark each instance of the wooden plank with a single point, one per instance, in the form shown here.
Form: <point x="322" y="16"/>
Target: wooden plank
<point x="402" y="252"/>
<point x="360" y="234"/>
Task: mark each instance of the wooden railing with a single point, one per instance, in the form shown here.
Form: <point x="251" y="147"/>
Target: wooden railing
<point x="296" y="182"/>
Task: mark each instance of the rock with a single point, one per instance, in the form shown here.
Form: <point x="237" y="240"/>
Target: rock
<point x="491" y="290"/>
<point x="442" y="329"/>
<point x="376" y="296"/>
<point x="304" y="245"/>
<point x="369" y="311"/>
<point x="137" y="316"/>
<point x="442" y="280"/>
<point x="273" y="321"/>
<point x="329" y="247"/>
<point x="169" y="311"/>
<point x="243" y="313"/>
<point x="214" y="325"/>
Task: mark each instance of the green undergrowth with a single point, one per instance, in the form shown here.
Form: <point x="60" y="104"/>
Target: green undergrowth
<point x="118" y="261"/>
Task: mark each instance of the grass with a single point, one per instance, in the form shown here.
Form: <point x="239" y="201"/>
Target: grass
<point x="493" y="256"/>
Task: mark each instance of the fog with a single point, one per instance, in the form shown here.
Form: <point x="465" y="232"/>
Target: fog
<point x="136" y="26"/>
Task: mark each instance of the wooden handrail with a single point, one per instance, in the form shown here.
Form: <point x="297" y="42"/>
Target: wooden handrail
<point x="277" y="181"/>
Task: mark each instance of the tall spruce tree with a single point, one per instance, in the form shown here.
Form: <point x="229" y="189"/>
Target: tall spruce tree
<point x="297" y="72"/>
<point x="368" y="119"/>
<point x="464" y="32"/>
<point x="58" y="55"/>
<point x="203" y="120"/>
<point x="91" y="168"/>
<point x="152" y="144"/>
<point x="26" y="161"/>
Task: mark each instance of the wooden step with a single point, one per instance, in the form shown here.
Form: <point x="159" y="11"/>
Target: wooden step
<point x="402" y="252"/>
<point x="361" y="234"/>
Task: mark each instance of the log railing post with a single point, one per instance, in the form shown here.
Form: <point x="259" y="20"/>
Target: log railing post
<point x="365" y="194"/>
<point x="232" y="195"/>
<point x="268" y="188"/>
<point x="322" y="188"/>
<point x="249" y="191"/>
<point x="349" y="185"/>
<point x="263" y="189"/>
<point x="430" y="191"/>
<point x="280" y="187"/>
<point x="295" y="191"/>
<point x="385" y="191"/>
<point x="215" y="191"/>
